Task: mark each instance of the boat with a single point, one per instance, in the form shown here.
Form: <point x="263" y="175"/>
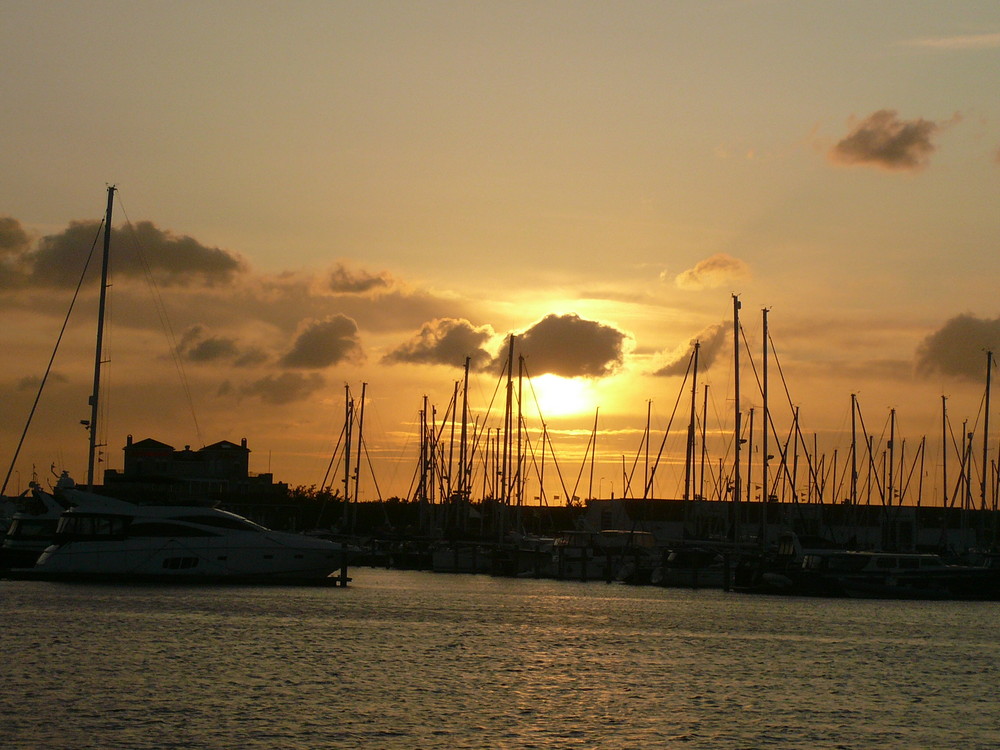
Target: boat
<point x="606" y="555"/>
<point x="32" y="527"/>
<point x="886" y="575"/>
<point x="103" y="539"/>
<point x="692" y="568"/>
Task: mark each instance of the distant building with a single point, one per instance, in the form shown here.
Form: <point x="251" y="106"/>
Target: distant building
<point x="155" y="472"/>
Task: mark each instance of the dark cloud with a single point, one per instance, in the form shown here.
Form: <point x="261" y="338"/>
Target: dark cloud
<point x="445" y="341"/>
<point x="58" y="259"/>
<point x="250" y="357"/>
<point x="13" y="239"/>
<point x="959" y="348"/>
<point x="883" y="140"/>
<point x="197" y="346"/>
<point x="344" y="281"/>
<point x="14" y="245"/>
<point x="285" y="388"/>
<point x="321" y="343"/>
<point x="718" y="270"/>
<point x="712" y="341"/>
<point x="570" y="346"/>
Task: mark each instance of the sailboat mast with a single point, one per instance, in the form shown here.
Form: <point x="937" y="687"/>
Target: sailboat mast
<point x="854" y="449"/>
<point x="463" y="489"/>
<point x="102" y="305"/>
<point x="690" y="458"/>
<point x="504" y="469"/>
<point x="736" y="409"/>
<point x="348" y="427"/>
<point x="357" y="456"/>
<point x="704" y="428"/>
<point x="986" y="429"/>
<point x="890" y="487"/>
<point x="764" y="430"/>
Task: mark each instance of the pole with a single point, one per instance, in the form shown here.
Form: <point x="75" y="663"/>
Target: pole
<point x="102" y="305"/>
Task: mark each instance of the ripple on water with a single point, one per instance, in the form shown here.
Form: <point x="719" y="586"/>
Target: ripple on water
<point x="405" y="660"/>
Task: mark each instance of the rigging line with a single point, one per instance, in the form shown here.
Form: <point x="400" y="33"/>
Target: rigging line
<point x="545" y="435"/>
<point x="161" y="310"/>
<point x="371" y="468"/>
<point x="333" y="457"/>
<point x="659" y="453"/>
<point x="48" y="369"/>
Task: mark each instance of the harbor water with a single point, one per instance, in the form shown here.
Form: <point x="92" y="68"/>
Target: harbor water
<point x="417" y="660"/>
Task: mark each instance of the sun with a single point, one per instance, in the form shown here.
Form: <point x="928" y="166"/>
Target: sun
<point x="556" y="396"/>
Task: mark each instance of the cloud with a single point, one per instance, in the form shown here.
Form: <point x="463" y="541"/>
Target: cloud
<point x="344" y="281"/>
<point x="712" y="340"/>
<point x="883" y="140"/>
<point x="445" y="341"/>
<point x="959" y="348"/>
<point x="281" y="389"/>
<point x="713" y="272"/>
<point x="321" y="343"/>
<point x="966" y="41"/>
<point x="58" y="259"/>
<point x="196" y="346"/>
<point x="13" y="239"/>
<point x="31" y="382"/>
<point x="570" y="346"/>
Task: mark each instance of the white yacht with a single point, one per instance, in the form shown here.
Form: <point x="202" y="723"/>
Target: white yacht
<point x="104" y="539"/>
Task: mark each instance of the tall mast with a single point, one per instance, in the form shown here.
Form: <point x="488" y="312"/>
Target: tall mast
<point x="704" y="428"/>
<point x="765" y="493"/>
<point x="892" y="454"/>
<point x="348" y="427"/>
<point x="689" y="463"/>
<point x="520" y="458"/>
<point x="645" y="484"/>
<point x="463" y="489"/>
<point x="94" y="396"/>
<point x="944" y="448"/>
<point x="854" y="449"/>
<point x="986" y="429"/>
<point x="451" y="445"/>
<point x="750" y="458"/>
<point x="504" y="478"/>
<point x="593" y="451"/>
<point x="357" y="458"/>
<point x="736" y="407"/>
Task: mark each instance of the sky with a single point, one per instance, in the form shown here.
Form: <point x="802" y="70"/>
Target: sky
<point x="316" y="195"/>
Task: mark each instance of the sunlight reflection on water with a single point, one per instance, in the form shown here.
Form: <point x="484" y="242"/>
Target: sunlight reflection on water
<point x="407" y="660"/>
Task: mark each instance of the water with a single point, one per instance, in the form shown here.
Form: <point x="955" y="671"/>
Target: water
<point x="417" y="660"/>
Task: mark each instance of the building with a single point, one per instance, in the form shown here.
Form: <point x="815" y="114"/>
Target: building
<point x="155" y="472"/>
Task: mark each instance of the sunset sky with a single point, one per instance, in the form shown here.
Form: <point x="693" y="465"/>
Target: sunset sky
<point x="331" y="193"/>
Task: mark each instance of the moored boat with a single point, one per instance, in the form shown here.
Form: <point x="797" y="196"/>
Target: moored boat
<point x="109" y="540"/>
<point x="890" y="575"/>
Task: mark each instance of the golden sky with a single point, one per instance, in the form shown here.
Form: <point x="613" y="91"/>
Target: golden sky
<point x="331" y="193"/>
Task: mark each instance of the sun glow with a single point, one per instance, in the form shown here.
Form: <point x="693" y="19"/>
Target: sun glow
<point x="562" y="397"/>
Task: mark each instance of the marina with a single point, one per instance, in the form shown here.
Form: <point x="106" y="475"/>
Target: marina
<point x="500" y="376"/>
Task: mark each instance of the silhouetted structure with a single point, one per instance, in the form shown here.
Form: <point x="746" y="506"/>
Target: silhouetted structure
<point x="155" y="472"/>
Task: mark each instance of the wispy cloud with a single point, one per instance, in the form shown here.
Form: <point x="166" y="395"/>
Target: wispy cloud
<point x="713" y="272"/>
<point x="711" y="340"/>
<point x="961" y="42"/>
